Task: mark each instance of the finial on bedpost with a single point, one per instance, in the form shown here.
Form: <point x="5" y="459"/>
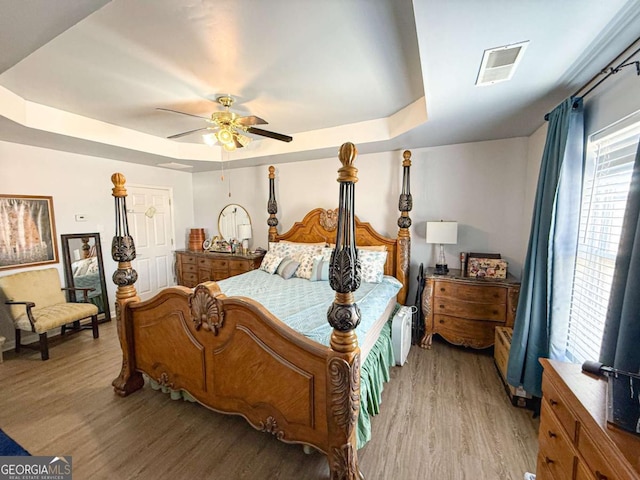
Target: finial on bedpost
<point x="343" y="368"/>
<point x="123" y="251"/>
<point x="405" y="204"/>
<point x="272" y="206"/>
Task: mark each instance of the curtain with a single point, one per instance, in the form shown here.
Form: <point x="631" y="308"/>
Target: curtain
<point x="540" y="328"/>
<point x="621" y="339"/>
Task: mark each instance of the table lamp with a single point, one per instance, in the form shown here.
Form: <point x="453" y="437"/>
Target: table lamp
<point x="244" y="234"/>
<point x="442" y="233"/>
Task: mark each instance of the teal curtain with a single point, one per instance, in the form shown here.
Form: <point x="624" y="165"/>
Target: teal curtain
<point x="621" y="339"/>
<point x="540" y="328"/>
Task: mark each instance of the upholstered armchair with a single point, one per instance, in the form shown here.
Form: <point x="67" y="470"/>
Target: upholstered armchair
<point x="36" y="303"/>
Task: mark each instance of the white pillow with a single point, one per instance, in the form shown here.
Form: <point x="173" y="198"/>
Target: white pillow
<point x="270" y="262"/>
<point x="306" y="264"/>
<point x="286" y="249"/>
<point x="372" y="264"/>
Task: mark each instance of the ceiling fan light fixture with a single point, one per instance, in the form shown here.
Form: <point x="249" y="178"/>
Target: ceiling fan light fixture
<point x="210" y="139"/>
<point x="225" y="136"/>
<point x="243" y="139"/>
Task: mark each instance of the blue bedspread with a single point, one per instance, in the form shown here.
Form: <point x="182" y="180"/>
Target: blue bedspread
<point x="303" y="304"/>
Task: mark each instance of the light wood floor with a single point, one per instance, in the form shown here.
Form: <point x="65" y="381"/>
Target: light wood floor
<point x="444" y="416"/>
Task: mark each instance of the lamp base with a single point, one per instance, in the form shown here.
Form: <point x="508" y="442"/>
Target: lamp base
<point x="441" y="269"/>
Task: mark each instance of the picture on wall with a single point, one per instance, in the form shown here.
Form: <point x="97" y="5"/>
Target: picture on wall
<point x="27" y="231"/>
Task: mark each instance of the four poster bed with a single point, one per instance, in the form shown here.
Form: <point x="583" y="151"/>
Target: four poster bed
<point x="234" y="355"/>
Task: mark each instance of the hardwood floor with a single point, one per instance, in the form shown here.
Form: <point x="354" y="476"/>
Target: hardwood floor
<point x="444" y="416"/>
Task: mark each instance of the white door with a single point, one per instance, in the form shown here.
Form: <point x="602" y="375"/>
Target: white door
<point x="151" y="226"/>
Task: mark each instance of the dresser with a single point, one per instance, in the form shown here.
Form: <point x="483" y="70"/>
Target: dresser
<point x="466" y="310"/>
<point x="575" y="440"/>
<point x="193" y="268"/>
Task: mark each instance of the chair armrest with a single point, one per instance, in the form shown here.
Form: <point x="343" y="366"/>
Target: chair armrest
<point x="29" y="306"/>
<point x="85" y="291"/>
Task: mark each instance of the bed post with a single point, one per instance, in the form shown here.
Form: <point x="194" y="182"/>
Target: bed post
<point x="272" y="206"/>
<point x="405" y="204"/>
<point x="343" y="365"/>
<point x="123" y="251"/>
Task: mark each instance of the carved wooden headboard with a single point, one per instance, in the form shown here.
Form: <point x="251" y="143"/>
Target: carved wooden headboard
<point x="319" y="225"/>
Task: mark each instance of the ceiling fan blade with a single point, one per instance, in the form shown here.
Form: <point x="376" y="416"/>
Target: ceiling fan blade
<point x="266" y="133"/>
<point x="182" y="113"/>
<point x="250" y="120"/>
<point x="178" y="135"/>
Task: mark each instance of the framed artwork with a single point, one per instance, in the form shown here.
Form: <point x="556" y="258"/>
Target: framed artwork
<point x="27" y="231"/>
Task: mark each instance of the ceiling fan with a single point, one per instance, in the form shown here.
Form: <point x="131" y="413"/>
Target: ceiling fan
<point x="227" y="128"/>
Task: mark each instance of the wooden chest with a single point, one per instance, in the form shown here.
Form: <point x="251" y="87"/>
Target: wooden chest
<point x="465" y="311"/>
<point x="519" y="396"/>
<point x="193" y="268"/>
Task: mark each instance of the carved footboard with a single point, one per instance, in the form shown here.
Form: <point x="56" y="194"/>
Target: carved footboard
<point x="233" y="356"/>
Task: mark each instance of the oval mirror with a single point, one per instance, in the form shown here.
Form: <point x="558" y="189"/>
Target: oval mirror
<point x="229" y="221"/>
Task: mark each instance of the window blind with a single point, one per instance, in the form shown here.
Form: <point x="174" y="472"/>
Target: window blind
<point x="606" y="185"/>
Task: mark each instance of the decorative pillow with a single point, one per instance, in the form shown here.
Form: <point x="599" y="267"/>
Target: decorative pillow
<point x="326" y="253"/>
<point x="372" y="264"/>
<point x="306" y="264"/>
<point x="270" y="262"/>
<point x="320" y="271"/>
<point x="287" y="268"/>
<point x="288" y="249"/>
<point x="317" y="244"/>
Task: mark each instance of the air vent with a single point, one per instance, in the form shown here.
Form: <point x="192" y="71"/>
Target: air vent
<point x="499" y="64"/>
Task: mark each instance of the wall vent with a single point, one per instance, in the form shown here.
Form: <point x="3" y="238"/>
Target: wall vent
<point x="499" y="64"/>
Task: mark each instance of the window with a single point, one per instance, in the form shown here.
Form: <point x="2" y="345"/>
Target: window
<point x="610" y="158"/>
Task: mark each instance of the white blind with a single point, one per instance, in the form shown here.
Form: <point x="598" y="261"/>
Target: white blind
<point x="604" y="198"/>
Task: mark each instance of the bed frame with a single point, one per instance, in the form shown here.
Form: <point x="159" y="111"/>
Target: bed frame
<point x="235" y="357"/>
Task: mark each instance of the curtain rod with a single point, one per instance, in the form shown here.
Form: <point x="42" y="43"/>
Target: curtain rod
<point x="609" y="70"/>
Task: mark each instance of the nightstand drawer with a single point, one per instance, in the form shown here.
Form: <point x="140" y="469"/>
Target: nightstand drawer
<point x="475" y="311"/>
<point x="470" y="333"/>
<point x="471" y="293"/>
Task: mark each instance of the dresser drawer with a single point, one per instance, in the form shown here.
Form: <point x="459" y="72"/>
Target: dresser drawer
<point x="470" y="333"/>
<point x="220" y="265"/>
<point x="189" y="268"/>
<point x="599" y="467"/>
<point x="475" y="311"/>
<point x="238" y="265"/>
<point x="557" y="405"/>
<point x="188" y="259"/>
<point x="555" y="451"/>
<point x="190" y="279"/>
<point x="582" y="472"/>
<point x="471" y="293"/>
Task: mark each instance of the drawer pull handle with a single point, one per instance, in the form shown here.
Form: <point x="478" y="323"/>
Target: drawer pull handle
<point x="548" y="461"/>
<point x="441" y="306"/>
<point x="495" y="312"/>
<point x="441" y="320"/>
<point x="551" y="434"/>
<point x="553" y="402"/>
<point x="600" y="476"/>
<point x="442" y="289"/>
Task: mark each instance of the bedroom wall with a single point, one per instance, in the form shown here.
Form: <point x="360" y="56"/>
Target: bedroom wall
<point x="478" y="184"/>
<point x="82" y="184"/>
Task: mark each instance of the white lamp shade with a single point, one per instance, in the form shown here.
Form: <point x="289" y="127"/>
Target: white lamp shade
<point x="442" y="232"/>
<point x="244" y="231"/>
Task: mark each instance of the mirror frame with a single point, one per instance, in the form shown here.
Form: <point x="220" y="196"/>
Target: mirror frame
<point x="68" y="274"/>
<point x="220" y="218"/>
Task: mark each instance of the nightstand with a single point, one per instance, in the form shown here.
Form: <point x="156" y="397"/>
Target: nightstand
<point x="466" y="310"/>
<point x="193" y="268"/>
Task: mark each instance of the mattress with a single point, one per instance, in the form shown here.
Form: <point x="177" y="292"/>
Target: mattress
<point x="303" y="304"/>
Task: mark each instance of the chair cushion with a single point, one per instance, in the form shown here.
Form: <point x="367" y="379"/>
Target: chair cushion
<point x="41" y="287"/>
<point x="54" y="316"/>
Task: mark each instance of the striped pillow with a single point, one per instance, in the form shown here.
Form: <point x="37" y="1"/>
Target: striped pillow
<point x="320" y="271"/>
<point x="287" y="268"/>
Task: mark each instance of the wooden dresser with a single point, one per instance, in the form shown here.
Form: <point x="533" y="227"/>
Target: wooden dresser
<point x="575" y="441"/>
<point x="193" y="268"/>
<point x="465" y="310"/>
